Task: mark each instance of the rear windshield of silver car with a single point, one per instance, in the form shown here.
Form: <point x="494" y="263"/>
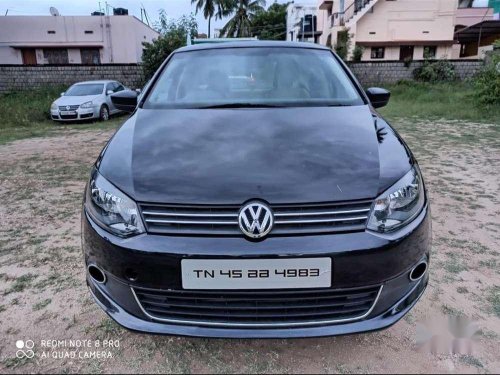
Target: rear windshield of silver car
<point x="248" y="77"/>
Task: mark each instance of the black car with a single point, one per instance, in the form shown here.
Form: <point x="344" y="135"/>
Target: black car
<point x="256" y="192"/>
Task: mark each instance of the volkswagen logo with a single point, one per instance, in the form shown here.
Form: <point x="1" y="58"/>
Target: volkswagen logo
<point x="256" y="219"/>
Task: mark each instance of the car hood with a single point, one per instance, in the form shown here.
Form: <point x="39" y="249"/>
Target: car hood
<point x="75" y="100"/>
<point x="228" y="156"/>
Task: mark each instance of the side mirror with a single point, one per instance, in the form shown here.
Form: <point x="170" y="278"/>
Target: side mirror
<point x="378" y="97"/>
<point x="138" y="91"/>
<point x="109" y="92"/>
<point x="125" y="100"/>
<point x="62" y="94"/>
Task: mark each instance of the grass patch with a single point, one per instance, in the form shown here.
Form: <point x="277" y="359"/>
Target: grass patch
<point x="451" y="311"/>
<point x="471" y="361"/>
<point x="489" y="263"/>
<point x="108" y="328"/>
<point x="21" y="283"/>
<point x="453" y="101"/>
<point x="25" y="114"/>
<point x="454" y="264"/>
<point x="41" y="305"/>
<point x="462" y="290"/>
<point x="494" y="299"/>
<point x="13" y="363"/>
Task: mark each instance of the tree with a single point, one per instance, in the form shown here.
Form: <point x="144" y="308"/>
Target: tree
<point x="173" y="35"/>
<point x="270" y="24"/>
<point x="357" y="53"/>
<point x="243" y="13"/>
<point x="343" y="44"/>
<point x="487" y="81"/>
<point x="209" y="9"/>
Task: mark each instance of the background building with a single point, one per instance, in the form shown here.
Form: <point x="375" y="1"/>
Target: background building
<point x="99" y="39"/>
<point x="391" y="30"/>
<point x="477" y="26"/>
<point x="301" y="23"/>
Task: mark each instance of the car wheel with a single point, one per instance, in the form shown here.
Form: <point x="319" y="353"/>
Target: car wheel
<point x="104" y="113"/>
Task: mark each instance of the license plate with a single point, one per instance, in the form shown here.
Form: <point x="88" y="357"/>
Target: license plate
<point x="256" y="273"/>
<point x="68" y="113"/>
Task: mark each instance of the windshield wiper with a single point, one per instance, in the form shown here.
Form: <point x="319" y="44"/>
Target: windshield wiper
<point x="241" y="105"/>
<point x="339" y="105"/>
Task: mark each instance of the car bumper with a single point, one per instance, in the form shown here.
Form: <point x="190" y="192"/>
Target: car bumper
<point x="79" y="115"/>
<point x="360" y="259"/>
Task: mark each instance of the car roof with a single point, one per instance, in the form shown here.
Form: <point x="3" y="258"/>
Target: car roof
<point x="96" y="81"/>
<point x="251" y="44"/>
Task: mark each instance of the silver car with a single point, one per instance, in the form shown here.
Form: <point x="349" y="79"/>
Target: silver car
<point x="85" y="101"/>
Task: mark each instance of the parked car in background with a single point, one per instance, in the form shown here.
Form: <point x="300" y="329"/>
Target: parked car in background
<point x="85" y="101"/>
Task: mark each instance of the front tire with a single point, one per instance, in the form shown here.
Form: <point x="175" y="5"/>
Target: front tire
<point x="104" y="113"/>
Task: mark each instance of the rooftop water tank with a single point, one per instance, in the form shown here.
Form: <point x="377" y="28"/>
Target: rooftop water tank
<point x="120" y="12"/>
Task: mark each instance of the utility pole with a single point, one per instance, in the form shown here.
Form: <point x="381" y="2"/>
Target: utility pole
<point x="303" y="22"/>
<point x="143" y="10"/>
<point x="313" y="19"/>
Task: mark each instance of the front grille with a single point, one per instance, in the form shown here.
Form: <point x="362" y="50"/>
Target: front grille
<point x="288" y="219"/>
<point x="68" y="107"/>
<point x="69" y="117"/>
<point x="272" y="308"/>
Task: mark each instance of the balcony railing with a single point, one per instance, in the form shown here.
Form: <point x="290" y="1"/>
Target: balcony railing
<point x="340" y="18"/>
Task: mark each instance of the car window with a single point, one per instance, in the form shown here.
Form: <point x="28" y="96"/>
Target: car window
<point x="118" y="87"/>
<point x="110" y="86"/>
<point x="257" y="76"/>
<point x="85" y="89"/>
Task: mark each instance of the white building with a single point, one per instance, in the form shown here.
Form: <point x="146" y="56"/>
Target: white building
<point x="38" y="40"/>
<point x="301" y="24"/>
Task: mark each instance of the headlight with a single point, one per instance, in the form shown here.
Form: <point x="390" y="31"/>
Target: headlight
<point x="53" y="107"/>
<point x="87" y="105"/>
<point x="398" y="205"/>
<point x="112" y="209"/>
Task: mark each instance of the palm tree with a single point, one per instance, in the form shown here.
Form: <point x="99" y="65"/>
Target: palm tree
<point x="209" y="9"/>
<point x="243" y="11"/>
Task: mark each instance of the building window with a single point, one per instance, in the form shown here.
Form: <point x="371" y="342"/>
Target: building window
<point x="430" y="52"/>
<point x="378" y="52"/>
<point x="89" y="31"/>
<point x="90" y="56"/>
<point x="29" y="56"/>
<point x="465" y="4"/>
<point x="51" y="32"/>
<point x="406" y="53"/>
<point x="469" y="49"/>
<point x="56" y="56"/>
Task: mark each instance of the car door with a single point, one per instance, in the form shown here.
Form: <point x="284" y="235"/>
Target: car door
<point x="111" y="86"/>
<point x="117" y="88"/>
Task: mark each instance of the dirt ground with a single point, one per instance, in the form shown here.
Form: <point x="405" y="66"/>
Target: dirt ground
<point x="43" y="294"/>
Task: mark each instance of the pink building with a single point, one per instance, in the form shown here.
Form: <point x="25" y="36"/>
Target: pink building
<point x="403" y="29"/>
<point x="35" y="40"/>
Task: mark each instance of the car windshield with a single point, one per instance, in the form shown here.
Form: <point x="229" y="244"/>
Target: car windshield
<point x="248" y="77"/>
<point x="85" y="89"/>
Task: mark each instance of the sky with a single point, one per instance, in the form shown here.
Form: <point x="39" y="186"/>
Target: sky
<point x="174" y="8"/>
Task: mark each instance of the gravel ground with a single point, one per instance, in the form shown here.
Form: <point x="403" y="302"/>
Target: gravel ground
<point x="43" y="294"/>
